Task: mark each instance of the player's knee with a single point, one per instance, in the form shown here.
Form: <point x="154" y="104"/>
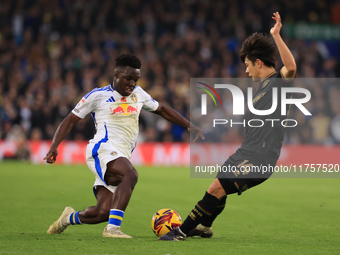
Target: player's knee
<point x="103" y="214"/>
<point x="216" y="189"/>
<point x="132" y="176"/>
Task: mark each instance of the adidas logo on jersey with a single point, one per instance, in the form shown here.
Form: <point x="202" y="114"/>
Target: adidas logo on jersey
<point x="111" y="99"/>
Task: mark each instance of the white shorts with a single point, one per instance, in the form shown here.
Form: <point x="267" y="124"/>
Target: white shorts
<point x="97" y="157"/>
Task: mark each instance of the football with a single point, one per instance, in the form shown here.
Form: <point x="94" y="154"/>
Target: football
<point x="165" y="220"/>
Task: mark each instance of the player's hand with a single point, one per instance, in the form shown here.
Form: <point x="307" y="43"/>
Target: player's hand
<point x="51" y="156"/>
<point x="277" y="27"/>
<point x="196" y="130"/>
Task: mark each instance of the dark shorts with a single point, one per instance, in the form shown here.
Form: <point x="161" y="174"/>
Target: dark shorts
<point x="245" y="169"/>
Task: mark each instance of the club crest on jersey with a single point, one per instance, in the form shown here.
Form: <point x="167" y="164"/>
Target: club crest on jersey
<point x="124" y="109"/>
<point x="134" y="98"/>
<point x="265" y="83"/>
<point x="114" y="153"/>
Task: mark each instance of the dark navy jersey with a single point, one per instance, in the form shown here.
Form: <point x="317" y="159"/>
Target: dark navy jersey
<point x="269" y="137"/>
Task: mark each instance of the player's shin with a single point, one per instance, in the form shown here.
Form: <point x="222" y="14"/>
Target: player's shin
<point x="115" y="218"/>
<point x="202" y="210"/>
<point x="207" y="222"/>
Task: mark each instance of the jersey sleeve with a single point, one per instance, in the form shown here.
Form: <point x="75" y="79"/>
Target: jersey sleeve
<point x="149" y="104"/>
<point x="289" y="81"/>
<point x="86" y="105"/>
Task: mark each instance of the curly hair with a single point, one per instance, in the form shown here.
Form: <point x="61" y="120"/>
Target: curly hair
<point x="259" y="46"/>
<point x="128" y="60"/>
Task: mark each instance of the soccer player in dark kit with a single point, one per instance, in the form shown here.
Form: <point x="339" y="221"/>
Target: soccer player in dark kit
<point x="261" y="146"/>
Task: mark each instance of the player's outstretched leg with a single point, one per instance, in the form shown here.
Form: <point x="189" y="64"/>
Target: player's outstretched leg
<point x="204" y="229"/>
<point x="61" y="223"/>
<point x="201" y="210"/>
<point x="200" y="213"/>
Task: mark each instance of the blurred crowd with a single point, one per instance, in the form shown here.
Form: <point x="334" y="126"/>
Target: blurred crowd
<point x="52" y="52"/>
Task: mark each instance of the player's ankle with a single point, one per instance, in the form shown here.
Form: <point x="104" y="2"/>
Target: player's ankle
<point x="181" y="232"/>
<point x="202" y="228"/>
<point x="110" y="226"/>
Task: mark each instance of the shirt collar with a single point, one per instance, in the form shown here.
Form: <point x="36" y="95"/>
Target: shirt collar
<point x="111" y="87"/>
<point x="268" y="76"/>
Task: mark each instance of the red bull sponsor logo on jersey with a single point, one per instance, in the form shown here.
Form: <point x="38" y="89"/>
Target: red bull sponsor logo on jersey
<point x="124" y="109"/>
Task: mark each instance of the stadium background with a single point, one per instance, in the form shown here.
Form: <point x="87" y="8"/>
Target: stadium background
<point x="53" y="52"/>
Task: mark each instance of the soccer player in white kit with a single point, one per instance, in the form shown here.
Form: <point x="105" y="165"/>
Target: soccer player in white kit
<point x="115" y="110"/>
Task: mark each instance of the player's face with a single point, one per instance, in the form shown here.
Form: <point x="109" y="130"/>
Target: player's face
<point x="252" y="70"/>
<point x="126" y="80"/>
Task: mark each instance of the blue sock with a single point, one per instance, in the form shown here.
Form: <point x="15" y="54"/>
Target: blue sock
<point x="116" y="218"/>
<point x="74" y="218"/>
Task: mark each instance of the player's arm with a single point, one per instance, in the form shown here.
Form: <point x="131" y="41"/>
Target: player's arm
<point x="289" y="69"/>
<point x="175" y="117"/>
<point x="62" y="131"/>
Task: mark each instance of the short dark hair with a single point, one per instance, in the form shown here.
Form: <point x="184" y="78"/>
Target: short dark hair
<point x="128" y="60"/>
<point x="259" y="46"/>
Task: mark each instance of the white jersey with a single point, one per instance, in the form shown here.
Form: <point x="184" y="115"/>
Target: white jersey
<point x="115" y="116"/>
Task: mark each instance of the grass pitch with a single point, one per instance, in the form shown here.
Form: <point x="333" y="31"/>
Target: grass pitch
<point x="280" y="216"/>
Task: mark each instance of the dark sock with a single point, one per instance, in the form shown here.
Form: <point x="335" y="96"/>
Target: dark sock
<point x="220" y="207"/>
<point x="202" y="210"/>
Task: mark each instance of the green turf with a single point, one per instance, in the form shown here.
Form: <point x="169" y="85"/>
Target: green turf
<point x="281" y="216"/>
